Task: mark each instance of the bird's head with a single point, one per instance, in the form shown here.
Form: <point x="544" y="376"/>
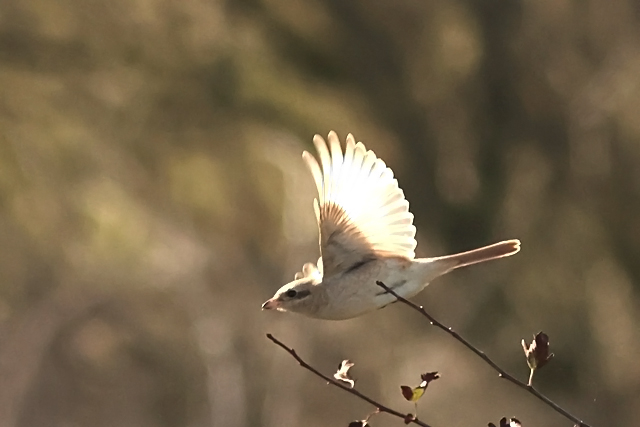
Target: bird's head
<point x="302" y="296"/>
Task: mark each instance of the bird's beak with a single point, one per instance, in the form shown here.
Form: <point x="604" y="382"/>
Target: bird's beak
<point x="270" y="304"/>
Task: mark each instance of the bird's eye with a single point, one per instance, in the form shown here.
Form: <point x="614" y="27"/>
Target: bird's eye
<point x="291" y="293"/>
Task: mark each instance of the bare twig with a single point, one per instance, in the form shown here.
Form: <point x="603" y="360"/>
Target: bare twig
<point x="530" y="383"/>
<point x="501" y="372"/>
<point x="379" y="407"/>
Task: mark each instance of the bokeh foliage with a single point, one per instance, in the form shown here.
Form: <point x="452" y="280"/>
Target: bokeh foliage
<point x="152" y="195"/>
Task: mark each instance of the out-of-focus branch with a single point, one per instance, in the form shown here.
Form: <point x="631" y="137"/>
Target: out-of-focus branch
<point x="501" y="372"/>
<point x="26" y="339"/>
<point x="379" y="407"/>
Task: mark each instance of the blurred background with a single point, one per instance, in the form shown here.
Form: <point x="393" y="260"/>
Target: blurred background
<point x="152" y="196"/>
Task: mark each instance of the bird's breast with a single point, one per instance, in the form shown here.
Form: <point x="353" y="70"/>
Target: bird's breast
<point x="356" y="292"/>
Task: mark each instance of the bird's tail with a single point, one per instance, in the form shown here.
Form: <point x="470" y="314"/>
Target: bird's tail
<point x="487" y="253"/>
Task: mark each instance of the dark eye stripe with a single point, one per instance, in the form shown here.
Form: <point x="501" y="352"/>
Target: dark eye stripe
<point x="293" y="294"/>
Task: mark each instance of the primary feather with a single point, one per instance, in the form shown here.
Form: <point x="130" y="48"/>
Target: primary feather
<point x="361" y="211"/>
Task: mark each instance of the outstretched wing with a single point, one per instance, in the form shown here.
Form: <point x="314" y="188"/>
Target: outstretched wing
<point x="361" y="211"/>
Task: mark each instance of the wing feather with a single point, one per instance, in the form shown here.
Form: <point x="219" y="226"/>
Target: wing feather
<point x="361" y="211"/>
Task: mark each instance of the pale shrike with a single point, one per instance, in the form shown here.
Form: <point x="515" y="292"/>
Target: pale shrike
<point x="366" y="235"/>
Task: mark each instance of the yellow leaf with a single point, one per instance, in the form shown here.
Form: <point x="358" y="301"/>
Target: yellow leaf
<point x="412" y="394"/>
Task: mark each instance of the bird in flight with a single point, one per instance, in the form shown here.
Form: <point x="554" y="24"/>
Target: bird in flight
<point x="366" y="235"/>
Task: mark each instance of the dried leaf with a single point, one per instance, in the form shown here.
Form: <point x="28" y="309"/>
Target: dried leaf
<point x="343" y="372"/>
<point x="430" y="376"/>
<point x="537" y="353"/>
<point x="412" y="394"/>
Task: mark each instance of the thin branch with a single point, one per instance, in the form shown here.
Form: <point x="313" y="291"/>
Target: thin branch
<point x="379" y="407"/>
<point x="501" y="372"/>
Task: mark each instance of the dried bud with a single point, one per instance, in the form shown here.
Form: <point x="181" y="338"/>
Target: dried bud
<point x="538" y="352"/>
<point x="409" y="418"/>
<point x="511" y="422"/>
<point x="359" y="423"/>
<point x="343" y="372"/>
